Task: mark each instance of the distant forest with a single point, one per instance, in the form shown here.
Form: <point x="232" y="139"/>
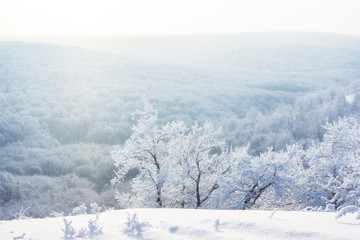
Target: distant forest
<point x="62" y="109"/>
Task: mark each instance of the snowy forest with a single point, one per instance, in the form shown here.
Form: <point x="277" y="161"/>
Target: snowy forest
<point x="237" y="121"/>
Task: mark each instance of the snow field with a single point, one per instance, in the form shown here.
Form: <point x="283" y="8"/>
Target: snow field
<point x="191" y="224"/>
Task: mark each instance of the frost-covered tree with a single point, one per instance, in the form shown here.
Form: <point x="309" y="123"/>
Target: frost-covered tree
<point x="198" y="158"/>
<point x="146" y="152"/>
<point x="178" y="167"/>
<point x="334" y="173"/>
<point x="270" y="176"/>
<point x="6" y="187"/>
<point x="193" y="168"/>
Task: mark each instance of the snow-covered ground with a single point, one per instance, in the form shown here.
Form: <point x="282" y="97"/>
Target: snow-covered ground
<point x="194" y="224"/>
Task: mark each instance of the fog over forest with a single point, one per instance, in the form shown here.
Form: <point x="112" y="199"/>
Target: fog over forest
<point x="63" y="108"/>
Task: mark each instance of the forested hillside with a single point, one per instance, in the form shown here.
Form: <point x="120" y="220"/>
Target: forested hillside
<point x="62" y="109"/>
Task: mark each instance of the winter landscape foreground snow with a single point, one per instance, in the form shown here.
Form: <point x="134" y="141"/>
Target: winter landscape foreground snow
<point x="192" y="224"/>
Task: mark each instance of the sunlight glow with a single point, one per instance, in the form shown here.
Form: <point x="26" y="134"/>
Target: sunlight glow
<point x="143" y="17"/>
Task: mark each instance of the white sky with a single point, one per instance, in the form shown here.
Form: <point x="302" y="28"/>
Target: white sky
<point x="143" y="17"/>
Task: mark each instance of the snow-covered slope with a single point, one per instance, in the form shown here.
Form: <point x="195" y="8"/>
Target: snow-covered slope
<point x="195" y="224"/>
<point x="62" y="108"/>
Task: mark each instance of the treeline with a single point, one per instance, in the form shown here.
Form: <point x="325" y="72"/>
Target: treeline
<point x="191" y="167"/>
<point x="56" y="179"/>
<point x="62" y="109"/>
<point x="300" y="123"/>
<point x="88" y="168"/>
<point x="84" y="170"/>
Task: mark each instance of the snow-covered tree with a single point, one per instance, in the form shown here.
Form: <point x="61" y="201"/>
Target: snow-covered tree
<point x="145" y="151"/>
<point x="192" y="168"/>
<point x="198" y="158"/>
<point x="270" y="176"/>
<point x="334" y="173"/>
<point x="178" y="167"/>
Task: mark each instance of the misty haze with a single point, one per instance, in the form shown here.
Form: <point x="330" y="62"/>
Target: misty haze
<point x="263" y="126"/>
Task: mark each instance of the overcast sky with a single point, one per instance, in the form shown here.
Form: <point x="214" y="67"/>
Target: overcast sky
<point x="158" y="17"/>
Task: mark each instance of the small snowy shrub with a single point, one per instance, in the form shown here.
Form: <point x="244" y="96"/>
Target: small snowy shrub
<point x="133" y="226"/>
<point x="312" y="209"/>
<point x="217" y="223"/>
<point x="19" y="237"/>
<point x="21" y="214"/>
<point x="272" y="213"/>
<point x="95" y="209"/>
<point x="307" y="209"/>
<point x="348" y="209"/>
<point x="109" y="209"/>
<point x="79" y="210"/>
<point x="94" y="229"/>
<point x="68" y="230"/>
<point x="82" y="233"/>
<point x="330" y="208"/>
<point x="56" y="214"/>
